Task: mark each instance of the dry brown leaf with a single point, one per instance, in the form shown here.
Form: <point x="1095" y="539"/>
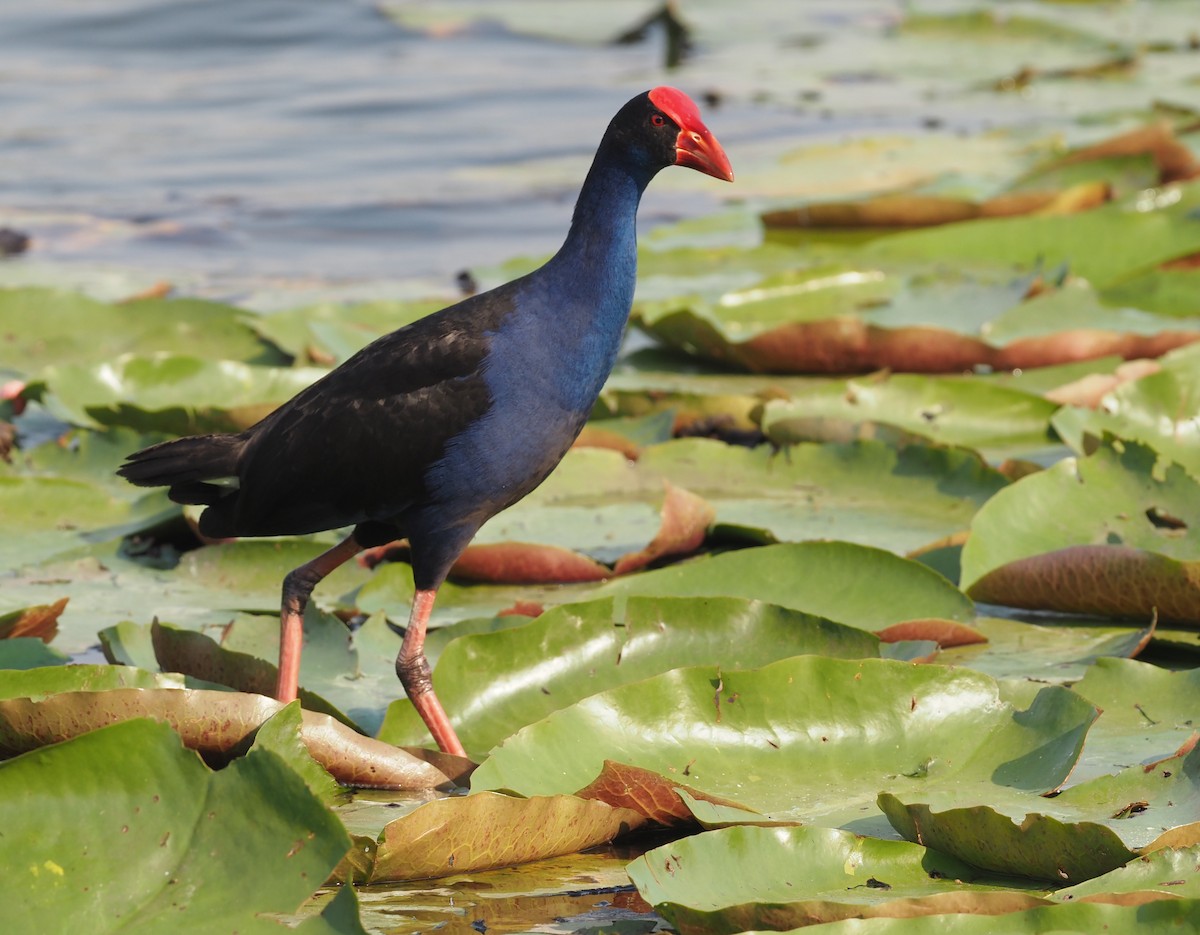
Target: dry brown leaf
<point x="648" y="793"/>
<point x="685" y="521"/>
<point x="487" y="830"/>
<point x="40" y="621"/>
<point x="1088" y="391"/>
<point x="945" y="633"/>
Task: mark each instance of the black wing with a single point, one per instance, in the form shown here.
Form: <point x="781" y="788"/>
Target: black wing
<point x="354" y="446"/>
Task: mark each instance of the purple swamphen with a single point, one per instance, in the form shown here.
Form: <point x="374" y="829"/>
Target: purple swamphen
<point x="429" y="431"/>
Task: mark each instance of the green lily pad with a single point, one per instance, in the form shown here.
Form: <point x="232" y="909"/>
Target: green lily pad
<point x="41" y="683"/>
<point x="751" y="878"/>
<point x="1103" y="246"/>
<point x="330" y="332"/>
<point x="44" y="327"/>
<point x="1089" y="829"/>
<point x="162" y="841"/>
<point x="1169" y="871"/>
<point x="29" y="652"/>
<point x="778" y="739"/>
<point x="176" y="394"/>
<point x="1174" y="292"/>
<point x="48" y="517"/>
<point x="866" y="492"/>
<point x="998" y="421"/>
<point x="1056" y="650"/>
<point x="775" y="574"/>
<point x="823" y="578"/>
<point x="1148" y="714"/>
<point x="1116" y="533"/>
<point x="1072" y="919"/>
<point x="576" y="650"/>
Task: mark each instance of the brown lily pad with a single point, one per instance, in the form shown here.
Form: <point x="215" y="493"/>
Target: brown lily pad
<point x="1097" y="579"/>
<point x="921" y="210"/>
<point x="40" y="621"/>
<point x="487" y="830"/>
<point x="218" y="725"/>
<point x="945" y="633"/>
<point x="649" y="793"/>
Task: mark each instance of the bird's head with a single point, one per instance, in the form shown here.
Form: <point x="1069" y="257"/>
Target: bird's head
<point x="695" y="146"/>
<point x="661" y="128"/>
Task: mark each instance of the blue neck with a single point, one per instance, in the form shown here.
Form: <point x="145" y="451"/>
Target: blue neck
<point x="600" y="252"/>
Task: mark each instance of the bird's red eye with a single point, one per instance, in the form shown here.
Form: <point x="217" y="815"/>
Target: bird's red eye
<point x="657" y="120"/>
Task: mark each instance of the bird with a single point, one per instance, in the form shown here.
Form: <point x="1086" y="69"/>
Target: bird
<point x="430" y="430"/>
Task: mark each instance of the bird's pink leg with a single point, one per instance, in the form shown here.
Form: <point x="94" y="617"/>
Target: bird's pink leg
<point x="413" y="669"/>
<point x="297" y="588"/>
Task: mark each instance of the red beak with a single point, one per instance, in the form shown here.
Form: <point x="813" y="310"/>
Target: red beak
<point x="698" y="149"/>
<point x="695" y="147"/>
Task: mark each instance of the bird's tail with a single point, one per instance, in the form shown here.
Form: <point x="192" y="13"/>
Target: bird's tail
<point x="198" y="469"/>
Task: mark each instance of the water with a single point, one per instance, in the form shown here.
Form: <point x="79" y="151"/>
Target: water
<point x="231" y="143"/>
<point x="260" y="150"/>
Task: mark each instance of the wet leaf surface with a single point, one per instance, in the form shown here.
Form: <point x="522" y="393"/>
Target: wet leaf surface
<point x="1088" y="830"/>
<point x="577" y="650"/>
<point x="747" y="878"/>
<point x="150" y="832"/>
<point x="777" y="739"/>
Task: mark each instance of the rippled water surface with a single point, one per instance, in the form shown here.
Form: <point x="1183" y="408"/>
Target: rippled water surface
<point x="237" y="146"/>
<point x="248" y="140"/>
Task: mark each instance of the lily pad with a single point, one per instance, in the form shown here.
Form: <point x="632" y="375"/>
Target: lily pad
<point x="215" y="724"/>
<point x="576" y="650"/>
<point x="1159" y="410"/>
<point x="480" y="832"/>
<point x="163" y="840"/>
<point x="1148" y="714"/>
<point x="866" y="492"/>
<point x="1087" y="830"/>
<point x="1116" y="533"/>
<point x="328" y="333"/>
<point x="777" y="739"/>
<point x="776" y="574"/>
<point x="998" y="421"/>
<point x="177" y="394"/>
<point x="749" y="878"/>
<point x="48" y="517"/>
<point x="1103" y="246"/>
<point x="1074" y="918"/>
<point x="1053" y="649"/>
<point x="1171" y="872"/>
<point x="44" y="327"/>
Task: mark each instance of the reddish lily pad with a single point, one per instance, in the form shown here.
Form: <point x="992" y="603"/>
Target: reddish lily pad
<point x="40" y="621"/>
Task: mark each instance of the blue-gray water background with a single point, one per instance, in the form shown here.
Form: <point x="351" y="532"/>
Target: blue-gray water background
<point x="262" y="150"/>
